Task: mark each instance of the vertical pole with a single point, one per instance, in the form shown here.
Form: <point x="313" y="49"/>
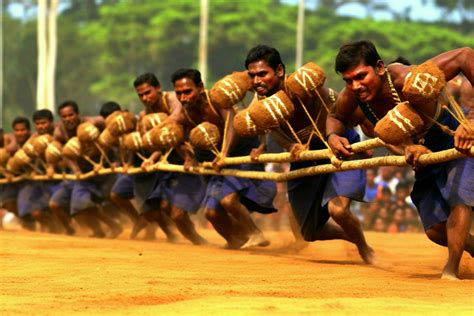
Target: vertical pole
<point x="204" y="21"/>
<point x="52" y="52"/>
<point x="42" y="55"/>
<point x="299" y="35"/>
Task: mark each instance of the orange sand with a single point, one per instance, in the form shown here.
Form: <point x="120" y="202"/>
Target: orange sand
<point x="59" y="275"/>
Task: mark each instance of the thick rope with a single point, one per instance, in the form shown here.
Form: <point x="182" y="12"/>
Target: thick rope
<point x="426" y="159"/>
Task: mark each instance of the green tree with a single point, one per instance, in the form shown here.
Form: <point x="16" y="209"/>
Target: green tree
<point x="414" y="41"/>
<point x="19" y="68"/>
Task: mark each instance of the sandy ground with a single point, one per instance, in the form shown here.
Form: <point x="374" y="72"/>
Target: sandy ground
<point x="43" y="274"/>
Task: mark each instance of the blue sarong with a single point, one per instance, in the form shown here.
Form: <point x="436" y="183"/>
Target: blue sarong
<point x="309" y="196"/>
<point x="439" y="187"/>
<point x="255" y="195"/>
<point x="80" y="195"/>
<point x="35" y="195"/>
<point x="184" y="191"/>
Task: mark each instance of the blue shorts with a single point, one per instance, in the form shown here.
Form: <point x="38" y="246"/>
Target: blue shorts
<point x="123" y="186"/>
<point x="147" y="189"/>
<point x="185" y="191"/>
<point x="34" y="196"/>
<point x="78" y="195"/>
<point x="448" y="184"/>
<point x="349" y="184"/>
<point x="9" y="192"/>
<point x="309" y="196"/>
<point x="256" y="195"/>
<point x="439" y="187"/>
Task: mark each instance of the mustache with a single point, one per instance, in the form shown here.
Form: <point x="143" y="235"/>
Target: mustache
<point x="70" y="124"/>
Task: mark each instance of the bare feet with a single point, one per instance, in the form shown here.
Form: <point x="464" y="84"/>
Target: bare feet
<point x="200" y="241"/>
<point x="172" y="238"/>
<point x="450" y="272"/>
<point x="449" y="276"/>
<point x="256" y="240"/>
<point x="150" y="235"/>
<point x="98" y="234"/>
<point x="70" y="231"/>
<point x="116" y="231"/>
<point x="236" y="243"/>
<point x="139" y="224"/>
<point x="368" y="255"/>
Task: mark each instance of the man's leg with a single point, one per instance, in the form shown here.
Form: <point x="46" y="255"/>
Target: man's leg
<point x="227" y="227"/>
<point x="339" y="209"/>
<point x="231" y="203"/>
<point x="115" y="228"/>
<point x="160" y="216"/>
<point x="45" y="218"/>
<point x="88" y="218"/>
<point x="186" y="226"/>
<point x="125" y="206"/>
<point x="438" y="234"/>
<point x="457" y="229"/>
<point x="57" y="203"/>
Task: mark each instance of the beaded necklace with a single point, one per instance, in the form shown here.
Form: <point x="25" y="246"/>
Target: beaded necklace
<point x="394" y="92"/>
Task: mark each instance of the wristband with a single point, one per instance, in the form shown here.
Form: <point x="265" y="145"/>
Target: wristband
<point x="329" y="135"/>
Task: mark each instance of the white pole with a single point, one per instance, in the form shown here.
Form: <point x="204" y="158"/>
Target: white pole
<point x="204" y="21"/>
<point x="300" y="35"/>
<point x="42" y="55"/>
<point x="52" y="52"/>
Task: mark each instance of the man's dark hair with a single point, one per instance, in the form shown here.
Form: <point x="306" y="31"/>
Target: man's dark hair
<point x="401" y="60"/>
<point x="21" y="120"/>
<point x="386" y="190"/>
<point x="146" y="78"/>
<point x="190" y="73"/>
<point x="43" y="114"/>
<point x="402" y="185"/>
<point x="266" y="53"/>
<point x="108" y="108"/>
<point x="353" y="54"/>
<point x="70" y="103"/>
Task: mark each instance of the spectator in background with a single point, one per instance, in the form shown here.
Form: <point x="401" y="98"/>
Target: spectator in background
<point x="379" y="225"/>
<point x="385" y="178"/>
<point x="402" y="195"/>
<point x="397" y="222"/>
<point x="385" y="197"/>
<point x="412" y="220"/>
<point x="371" y="186"/>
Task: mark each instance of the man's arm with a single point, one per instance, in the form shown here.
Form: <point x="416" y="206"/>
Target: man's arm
<point x="10" y="143"/>
<point x="287" y="143"/>
<point x="98" y="121"/>
<point x="342" y="114"/>
<point x="455" y="61"/>
<point x="466" y="98"/>
<point x="451" y="63"/>
<point x="227" y="115"/>
<point x="58" y="134"/>
<point x="150" y="160"/>
<point x="174" y="105"/>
